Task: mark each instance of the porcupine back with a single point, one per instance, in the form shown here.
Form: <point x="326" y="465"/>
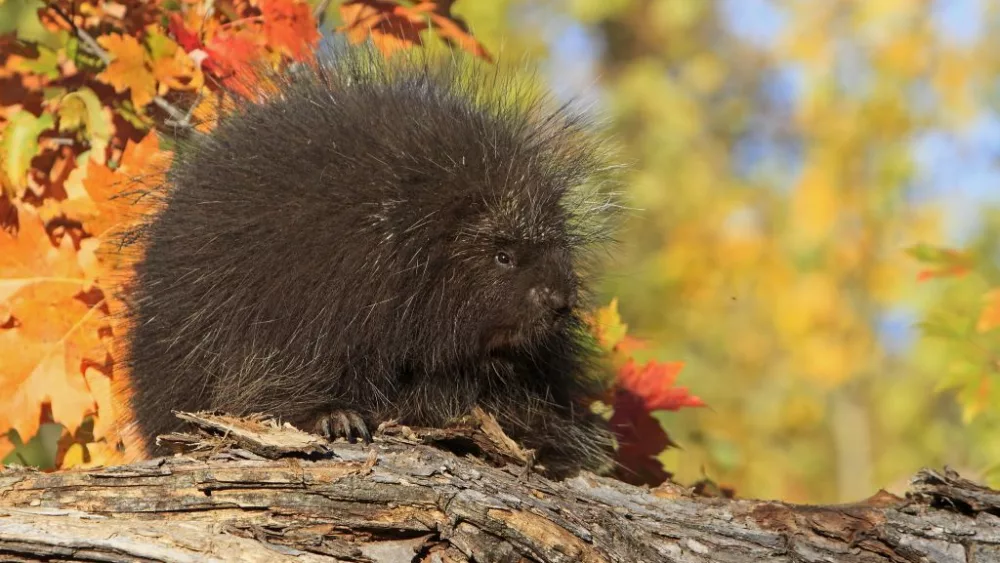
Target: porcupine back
<point x="333" y="243"/>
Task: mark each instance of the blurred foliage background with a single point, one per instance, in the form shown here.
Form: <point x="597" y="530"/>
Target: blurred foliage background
<point x="813" y="230"/>
<point x="785" y="154"/>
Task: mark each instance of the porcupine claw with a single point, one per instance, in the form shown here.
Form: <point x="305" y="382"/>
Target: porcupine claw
<point x="345" y="424"/>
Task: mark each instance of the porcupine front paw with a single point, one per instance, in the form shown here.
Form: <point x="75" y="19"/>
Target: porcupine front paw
<point x="343" y="423"/>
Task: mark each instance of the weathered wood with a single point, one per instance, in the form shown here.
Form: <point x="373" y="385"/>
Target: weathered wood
<point x="397" y="501"/>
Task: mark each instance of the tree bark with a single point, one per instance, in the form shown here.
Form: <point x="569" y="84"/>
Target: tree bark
<point x="271" y="493"/>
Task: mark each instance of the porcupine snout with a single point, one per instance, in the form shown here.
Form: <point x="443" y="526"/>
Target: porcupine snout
<point x="555" y="300"/>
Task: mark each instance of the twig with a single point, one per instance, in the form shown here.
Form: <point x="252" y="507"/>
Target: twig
<point x="319" y="14"/>
<point x="178" y="117"/>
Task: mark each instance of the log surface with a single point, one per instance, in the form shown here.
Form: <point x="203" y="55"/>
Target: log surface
<point x="402" y="499"/>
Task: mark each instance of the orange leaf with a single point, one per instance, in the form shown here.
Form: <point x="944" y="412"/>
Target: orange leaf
<point x="54" y="332"/>
<point x="176" y="72"/>
<point x="452" y="29"/>
<point x="128" y="70"/>
<point x="120" y="197"/>
<point x="231" y="57"/>
<point x="289" y="27"/>
<point x="390" y="26"/>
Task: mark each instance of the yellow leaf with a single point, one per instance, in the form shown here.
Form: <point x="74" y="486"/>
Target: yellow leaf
<point x="608" y="325"/>
<point x="128" y="70"/>
<point x="74" y="456"/>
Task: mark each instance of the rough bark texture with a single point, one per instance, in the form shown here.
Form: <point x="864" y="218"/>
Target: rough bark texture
<point x="404" y="499"/>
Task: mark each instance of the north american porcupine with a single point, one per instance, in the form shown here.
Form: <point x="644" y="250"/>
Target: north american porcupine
<point x="375" y="241"/>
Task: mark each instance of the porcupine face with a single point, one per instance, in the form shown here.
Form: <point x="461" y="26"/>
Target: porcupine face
<point x="521" y="265"/>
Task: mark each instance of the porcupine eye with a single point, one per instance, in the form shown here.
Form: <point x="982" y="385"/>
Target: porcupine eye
<point x="504" y="259"/>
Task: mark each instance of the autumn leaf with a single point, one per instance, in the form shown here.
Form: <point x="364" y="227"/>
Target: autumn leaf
<point x="56" y="334"/>
<point x="30" y="258"/>
<point x="231" y="58"/>
<point x="391" y="27"/>
<point x="83" y="108"/>
<point x="639" y="392"/>
<point x="172" y="68"/>
<point x="128" y="70"/>
<point x="115" y="198"/>
<point x="640" y="439"/>
<point x="607" y="325"/>
<point x="654" y="384"/>
<point x="290" y="27"/>
<point x="19" y="146"/>
<point x="451" y="29"/>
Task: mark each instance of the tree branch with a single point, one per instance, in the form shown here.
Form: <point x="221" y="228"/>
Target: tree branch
<point x="178" y="117"/>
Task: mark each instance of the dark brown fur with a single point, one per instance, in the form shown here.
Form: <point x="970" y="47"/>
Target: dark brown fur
<point x="336" y="247"/>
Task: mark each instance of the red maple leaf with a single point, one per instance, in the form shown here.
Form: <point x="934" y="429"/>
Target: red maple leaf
<point x="227" y="56"/>
<point x="641" y="438"/>
<point x="187" y="39"/>
<point x="654" y="384"/>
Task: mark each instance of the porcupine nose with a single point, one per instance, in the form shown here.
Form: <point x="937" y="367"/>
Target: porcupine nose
<point x="559" y="302"/>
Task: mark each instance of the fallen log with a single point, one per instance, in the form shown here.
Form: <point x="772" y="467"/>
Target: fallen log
<point x="252" y="490"/>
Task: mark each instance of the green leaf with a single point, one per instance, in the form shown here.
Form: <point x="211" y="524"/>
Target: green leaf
<point x="40" y="451"/>
<point x="20" y="145"/>
<point x="160" y="45"/>
<point x="21" y="17"/>
<point x="46" y="64"/>
<point x="84" y="108"/>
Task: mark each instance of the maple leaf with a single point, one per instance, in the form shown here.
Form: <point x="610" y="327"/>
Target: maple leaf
<point x="56" y="333"/>
<point x="654" y="384"/>
<point x="231" y="57"/>
<point x="112" y="199"/>
<point x="640" y="439"/>
<point x="453" y="30"/>
<point x="172" y="68"/>
<point x="128" y="70"/>
<point x="391" y="27"/>
<point x="187" y="39"/>
<point x="144" y="155"/>
<point x="638" y="392"/>
<point x="19" y="145"/>
<point x="290" y="27"/>
<point x="227" y="55"/>
<point x="84" y="108"/>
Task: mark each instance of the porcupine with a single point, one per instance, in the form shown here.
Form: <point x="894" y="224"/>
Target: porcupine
<point x="375" y="241"/>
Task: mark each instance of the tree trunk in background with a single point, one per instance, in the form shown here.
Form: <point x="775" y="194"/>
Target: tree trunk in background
<point x="402" y="500"/>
